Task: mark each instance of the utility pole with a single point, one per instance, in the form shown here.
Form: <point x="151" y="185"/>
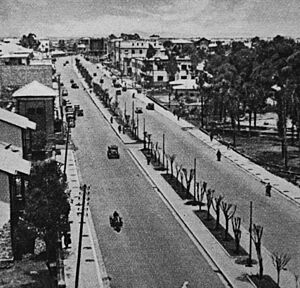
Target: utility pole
<point x="67" y="146"/>
<point x="249" y="260"/>
<point x="137" y="126"/>
<point x="132" y="112"/>
<point x="84" y="188"/>
<point x="195" y="166"/>
<point x="164" y="150"/>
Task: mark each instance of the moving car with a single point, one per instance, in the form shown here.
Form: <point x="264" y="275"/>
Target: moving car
<point x="150" y="106"/>
<point x="113" y="152"/>
<point x="74" y="86"/>
<point x="138" y="110"/>
<point x="64" y="92"/>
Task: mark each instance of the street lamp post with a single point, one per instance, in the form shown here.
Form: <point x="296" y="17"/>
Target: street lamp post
<point x="67" y="146"/>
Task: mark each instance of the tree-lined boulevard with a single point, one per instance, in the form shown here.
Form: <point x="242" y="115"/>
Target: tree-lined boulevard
<point x="277" y="215"/>
<point x="152" y="249"/>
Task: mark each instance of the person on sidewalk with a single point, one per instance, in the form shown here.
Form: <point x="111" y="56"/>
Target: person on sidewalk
<point x="111" y="119"/>
<point x="211" y="136"/>
<point x="120" y="129"/>
<point x="219" y="155"/>
<point x="204" y="186"/>
<point x="268" y="190"/>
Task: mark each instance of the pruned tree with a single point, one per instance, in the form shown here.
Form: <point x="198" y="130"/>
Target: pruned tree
<point x="216" y="204"/>
<point x="172" y="159"/>
<point x="296" y="280"/>
<point x="188" y="179"/>
<point x="178" y="170"/>
<point x="256" y="237"/>
<point x="209" y="200"/>
<point x="280" y="260"/>
<point x="228" y="211"/>
<point x="200" y="195"/>
<point x="167" y="162"/>
<point x="236" y="227"/>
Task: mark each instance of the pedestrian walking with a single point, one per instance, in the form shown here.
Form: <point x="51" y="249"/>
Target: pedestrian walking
<point x="268" y="189"/>
<point x="211" y="135"/>
<point x="219" y="155"/>
<point x="204" y="186"/>
<point x="119" y="128"/>
<point x="148" y="156"/>
<point x="228" y="145"/>
<point x="111" y="120"/>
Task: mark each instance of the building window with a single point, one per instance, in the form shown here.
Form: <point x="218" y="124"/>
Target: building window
<point x="183" y="77"/>
<point x="141" y="51"/>
<point x="142" y="44"/>
<point x="133" y="51"/>
<point x="183" y="67"/>
<point x="160" y="78"/>
<point x="132" y="44"/>
<point x="30" y="111"/>
<point x="126" y="50"/>
<point x="137" y="44"/>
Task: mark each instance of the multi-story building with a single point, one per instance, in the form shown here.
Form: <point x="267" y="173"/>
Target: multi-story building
<point x="122" y="52"/>
<point x="44" y="45"/>
<point x="11" y="53"/>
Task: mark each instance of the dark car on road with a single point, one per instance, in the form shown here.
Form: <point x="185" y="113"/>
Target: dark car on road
<point x="150" y="106"/>
<point x="113" y="152"/>
<point x="74" y="86"/>
<point x="138" y="110"/>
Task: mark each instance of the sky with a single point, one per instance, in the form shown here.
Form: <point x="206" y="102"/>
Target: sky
<point x="167" y="18"/>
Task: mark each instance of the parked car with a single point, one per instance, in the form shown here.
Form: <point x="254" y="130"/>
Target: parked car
<point x="64" y="92"/>
<point x="138" y="110"/>
<point x="113" y="152"/>
<point x="74" y="86"/>
<point x="117" y="84"/>
<point x="150" y="106"/>
<point x="138" y="88"/>
<point x="76" y="107"/>
<point x="80" y="112"/>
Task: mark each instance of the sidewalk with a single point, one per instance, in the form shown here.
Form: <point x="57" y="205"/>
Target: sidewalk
<point x="92" y="271"/>
<point x="215" y="253"/>
<point x="287" y="189"/>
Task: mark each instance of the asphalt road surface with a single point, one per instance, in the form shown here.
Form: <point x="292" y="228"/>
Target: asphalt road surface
<point x="152" y="250"/>
<point x="279" y="217"/>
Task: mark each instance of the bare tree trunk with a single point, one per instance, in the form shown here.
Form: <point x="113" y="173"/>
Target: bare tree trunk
<point x="250" y="122"/>
<point x="254" y="118"/>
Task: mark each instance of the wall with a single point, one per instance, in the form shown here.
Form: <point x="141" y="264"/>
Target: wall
<point x="11" y="134"/>
<point x="44" y="120"/>
<point x="4" y="199"/>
